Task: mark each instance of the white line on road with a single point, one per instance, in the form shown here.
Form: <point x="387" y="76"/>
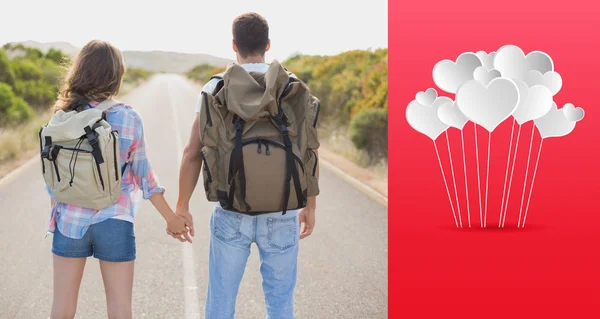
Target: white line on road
<point x="191" y="301"/>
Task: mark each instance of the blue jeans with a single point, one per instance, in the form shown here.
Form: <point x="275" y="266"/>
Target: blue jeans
<point x="276" y="236"/>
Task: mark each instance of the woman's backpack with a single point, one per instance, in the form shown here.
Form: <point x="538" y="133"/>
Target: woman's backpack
<point x="80" y="157"/>
<point x="259" y="132"/>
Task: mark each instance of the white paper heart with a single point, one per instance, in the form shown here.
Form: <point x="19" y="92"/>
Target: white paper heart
<point x="552" y="80"/>
<point x="485" y="76"/>
<point x="424" y="119"/>
<point x="539" y="61"/>
<point x="487" y="59"/>
<point x="534" y="102"/>
<point x="451" y="115"/>
<point x="554" y="123"/>
<point x="449" y="76"/>
<point x="512" y="63"/>
<point x="426" y="98"/>
<point x="488" y="106"/>
<point x="573" y="113"/>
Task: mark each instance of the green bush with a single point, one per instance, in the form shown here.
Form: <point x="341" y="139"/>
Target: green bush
<point x="56" y="56"/>
<point x="38" y="93"/>
<point x="7" y="97"/>
<point x="13" y="109"/>
<point x="6" y="73"/>
<point x="19" y="112"/>
<point x="203" y="72"/>
<point x="369" y="131"/>
<point x="133" y="75"/>
<point x="26" y="70"/>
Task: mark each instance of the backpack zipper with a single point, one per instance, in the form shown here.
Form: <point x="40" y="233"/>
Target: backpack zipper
<point x="115" y="155"/>
<point x="267" y="142"/>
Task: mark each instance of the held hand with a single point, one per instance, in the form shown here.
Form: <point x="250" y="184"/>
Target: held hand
<point x="176" y="227"/>
<point x="185" y="213"/>
<point x="306" y="217"/>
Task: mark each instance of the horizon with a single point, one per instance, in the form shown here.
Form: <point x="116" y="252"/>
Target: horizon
<point x="183" y="26"/>
<point x="170" y="51"/>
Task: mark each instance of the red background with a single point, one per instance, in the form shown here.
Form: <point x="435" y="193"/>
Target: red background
<point x="550" y="269"/>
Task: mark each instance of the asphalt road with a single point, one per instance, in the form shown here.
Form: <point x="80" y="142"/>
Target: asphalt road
<point x="342" y="267"/>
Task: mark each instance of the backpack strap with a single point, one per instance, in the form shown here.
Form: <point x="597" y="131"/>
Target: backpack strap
<point x="107" y="104"/>
<point x="220" y="83"/>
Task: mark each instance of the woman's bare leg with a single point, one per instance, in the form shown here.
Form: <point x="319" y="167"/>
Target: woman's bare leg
<point x="67" y="280"/>
<point x="118" y="284"/>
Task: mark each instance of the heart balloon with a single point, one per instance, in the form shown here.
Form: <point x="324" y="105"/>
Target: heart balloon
<point x="554" y="123"/>
<point x="573" y="113"/>
<point x="450" y="114"/>
<point x="424" y="119"/>
<point x="552" y="80"/>
<point x="449" y="76"/>
<point x="485" y="76"/>
<point x="426" y="98"/>
<point x="488" y="105"/>
<point x="513" y="64"/>
<point x="534" y="102"/>
<point x="487" y="59"/>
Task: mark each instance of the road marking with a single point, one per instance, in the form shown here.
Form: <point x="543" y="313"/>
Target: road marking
<point x="368" y="190"/>
<point x="191" y="300"/>
<point x="17" y="171"/>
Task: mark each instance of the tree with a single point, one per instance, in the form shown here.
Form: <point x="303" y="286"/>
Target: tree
<point x="55" y="55"/>
<point x="6" y="73"/>
<point x="369" y="131"/>
<point x="6" y="97"/>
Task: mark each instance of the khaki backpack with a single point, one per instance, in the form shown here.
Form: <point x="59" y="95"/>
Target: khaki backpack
<point x="80" y="157"/>
<point x="259" y="132"/>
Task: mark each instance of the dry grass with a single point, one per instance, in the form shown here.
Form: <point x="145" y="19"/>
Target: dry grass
<point x="18" y="143"/>
<point x="15" y="140"/>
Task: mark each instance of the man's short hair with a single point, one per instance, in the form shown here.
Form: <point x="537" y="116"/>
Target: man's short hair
<point x="251" y="34"/>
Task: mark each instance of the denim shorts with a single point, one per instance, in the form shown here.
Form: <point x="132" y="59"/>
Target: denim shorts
<point x="109" y="240"/>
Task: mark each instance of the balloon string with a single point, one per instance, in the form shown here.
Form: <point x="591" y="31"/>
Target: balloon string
<point x="453" y="179"/>
<point x="462" y="137"/>
<point x="511" y="176"/>
<point x="533" y="180"/>
<point x="512" y="133"/>
<point x="487" y="178"/>
<point x="478" y="177"/>
<point x="526" y="173"/>
<point x="445" y="182"/>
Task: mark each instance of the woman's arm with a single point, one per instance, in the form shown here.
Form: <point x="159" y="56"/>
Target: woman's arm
<point x="176" y="225"/>
<point x="146" y="180"/>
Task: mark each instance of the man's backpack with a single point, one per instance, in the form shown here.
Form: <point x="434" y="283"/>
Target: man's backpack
<point x="259" y="132"/>
<point x="80" y="157"/>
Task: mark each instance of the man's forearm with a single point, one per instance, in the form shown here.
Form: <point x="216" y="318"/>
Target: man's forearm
<point x="189" y="173"/>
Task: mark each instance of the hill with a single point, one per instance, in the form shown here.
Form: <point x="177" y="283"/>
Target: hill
<point x="154" y="61"/>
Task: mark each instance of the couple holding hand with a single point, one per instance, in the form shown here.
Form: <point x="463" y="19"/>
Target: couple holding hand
<point x="254" y="140"/>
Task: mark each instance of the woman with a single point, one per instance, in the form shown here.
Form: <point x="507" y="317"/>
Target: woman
<point x="106" y="234"/>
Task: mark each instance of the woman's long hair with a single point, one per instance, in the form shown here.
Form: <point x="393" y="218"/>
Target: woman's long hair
<point x="95" y="75"/>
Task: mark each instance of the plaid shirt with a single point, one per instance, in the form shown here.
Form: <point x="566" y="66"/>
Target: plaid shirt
<point x="73" y="221"/>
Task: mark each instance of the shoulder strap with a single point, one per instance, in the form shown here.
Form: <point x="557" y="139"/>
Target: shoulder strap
<point x="219" y="85"/>
<point x="107" y="104"/>
<point x="218" y="76"/>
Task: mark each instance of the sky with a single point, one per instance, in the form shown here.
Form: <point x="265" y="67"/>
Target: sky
<point x="322" y="27"/>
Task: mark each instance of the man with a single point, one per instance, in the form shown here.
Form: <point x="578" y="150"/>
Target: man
<point x="232" y="233"/>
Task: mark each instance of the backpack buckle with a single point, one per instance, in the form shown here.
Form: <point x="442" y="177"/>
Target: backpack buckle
<point x="90" y="136"/>
<point x="46" y="149"/>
